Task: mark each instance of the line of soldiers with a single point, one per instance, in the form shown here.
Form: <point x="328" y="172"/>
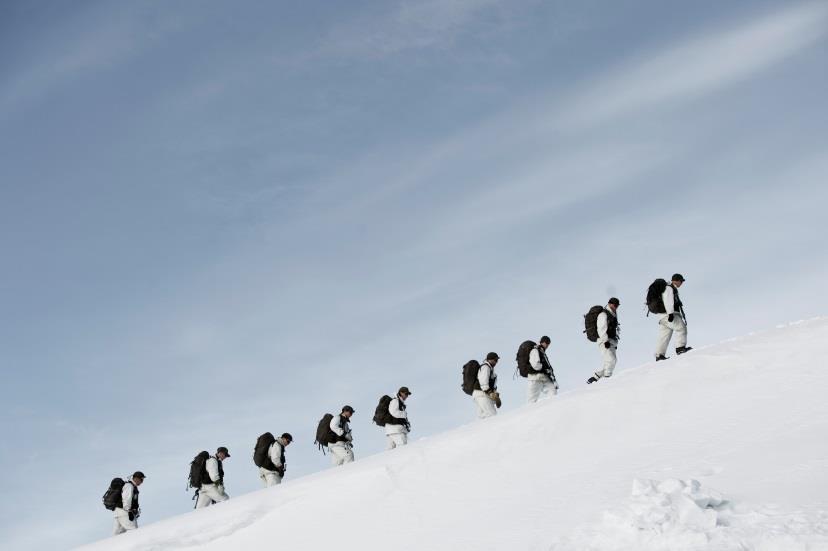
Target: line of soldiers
<point x="602" y="327"/>
<point x="334" y="431"/>
<point x="479" y="381"/>
<point x="207" y="471"/>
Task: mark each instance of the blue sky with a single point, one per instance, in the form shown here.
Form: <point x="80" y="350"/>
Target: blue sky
<point x="219" y="220"/>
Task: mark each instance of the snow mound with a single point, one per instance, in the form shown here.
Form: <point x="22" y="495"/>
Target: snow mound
<point x="678" y="515"/>
<point x="674" y="506"/>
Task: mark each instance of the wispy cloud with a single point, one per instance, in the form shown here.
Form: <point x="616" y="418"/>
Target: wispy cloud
<point x="700" y="65"/>
<point x="573" y="157"/>
<point x="81" y="46"/>
<point x="405" y="26"/>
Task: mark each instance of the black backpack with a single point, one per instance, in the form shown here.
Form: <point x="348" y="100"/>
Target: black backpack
<point x="198" y="470"/>
<point x="524" y="368"/>
<point x="324" y="434"/>
<point x="591" y="323"/>
<point x="655" y="300"/>
<point x="112" y="497"/>
<point x="260" y="455"/>
<point x="381" y="414"/>
<point x="470" y="371"/>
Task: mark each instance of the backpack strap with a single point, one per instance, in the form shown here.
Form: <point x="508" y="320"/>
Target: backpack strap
<point x="492" y="377"/>
<point x="346" y="428"/>
<point x="547" y="365"/>
<point x="128" y="507"/>
<point x="677" y="301"/>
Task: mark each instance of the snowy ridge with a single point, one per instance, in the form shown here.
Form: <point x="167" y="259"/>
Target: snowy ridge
<point x="725" y="448"/>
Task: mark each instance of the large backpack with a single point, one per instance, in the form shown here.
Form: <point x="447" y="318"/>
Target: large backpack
<point x="112" y="498"/>
<point x="381" y="414"/>
<point x="260" y="452"/>
<point x="655" y="299"/>
<point x="591" y="323"/>
<point x="324" y="434"/>
<point x="524" y="368"/>
<point x="198" y="470"/>
<point x="470" y="371"/>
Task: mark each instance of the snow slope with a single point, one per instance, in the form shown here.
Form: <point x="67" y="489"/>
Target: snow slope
<point x="723" y="448"/>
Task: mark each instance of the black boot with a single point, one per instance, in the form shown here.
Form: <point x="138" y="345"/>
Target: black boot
<point x="592" y="380"/>
<point x="683" y="349"/>
<point x="661" y="357"/>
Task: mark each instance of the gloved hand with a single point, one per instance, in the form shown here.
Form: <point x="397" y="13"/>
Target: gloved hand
<point x="670" y="318"/>
<point x="607" y="344"/>
<point x="495" y="396"/>
<point x="131" y="516"/>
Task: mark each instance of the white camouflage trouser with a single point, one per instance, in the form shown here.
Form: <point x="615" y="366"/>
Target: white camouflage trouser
<point x="610" y="358"/>
<point x="395" y="440"/>
<point x="269" y="478"/>
<point x="122" y="524"/>
<point x="665" y="332"/>
<point x="536" y="387"/>
<point x="340" y="454"/>
<point x="209" y="493"/>
<point x="485" y="405"/>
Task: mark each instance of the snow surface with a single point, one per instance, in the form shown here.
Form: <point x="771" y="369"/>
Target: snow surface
<point x="723" y="448"/>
